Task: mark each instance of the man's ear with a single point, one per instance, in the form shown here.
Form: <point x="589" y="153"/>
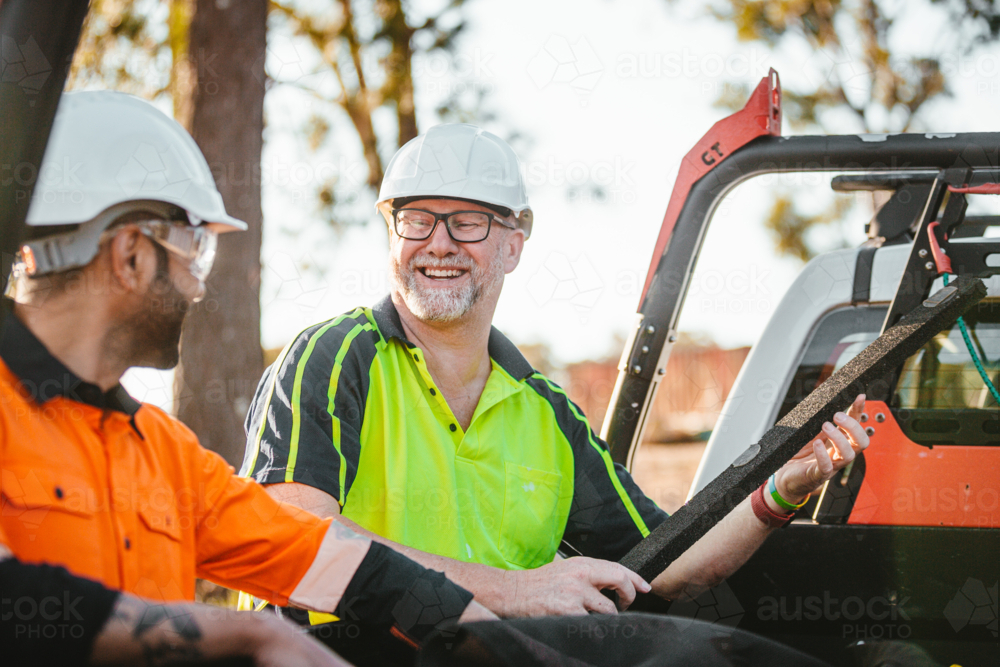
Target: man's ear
<point x="513" y="245"/>
<point x="132" y="260"/>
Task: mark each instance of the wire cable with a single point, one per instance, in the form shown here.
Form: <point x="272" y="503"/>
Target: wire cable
<point x="972" y="352"/>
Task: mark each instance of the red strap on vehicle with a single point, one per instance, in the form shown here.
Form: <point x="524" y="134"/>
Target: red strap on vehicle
<point x="761" y="116"/>
<point x="984" y="189"/>
<point x="941" y="260"/>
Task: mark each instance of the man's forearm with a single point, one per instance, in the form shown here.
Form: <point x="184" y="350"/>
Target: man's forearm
<point x="722" y="551"/>
<point x="732" y="541"/>
<point x="713" y="558"/>
<point x="140" y="632"/>
<point x="564" y="587"/>
<point x="149" y="633"/>
<point x="489" y="584"/>
<point x="113" y="628"/>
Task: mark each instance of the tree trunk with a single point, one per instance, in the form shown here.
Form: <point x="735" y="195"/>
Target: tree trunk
<point x="400" y="70"/>
<point x="221" y="358"/>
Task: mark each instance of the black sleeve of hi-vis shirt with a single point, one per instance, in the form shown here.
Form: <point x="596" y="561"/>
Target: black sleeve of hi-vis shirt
<point x="610" y="514"/>
<point x="50" y="617"/>
<point x="601" y="524"/>
<point x="305" y="422"/>
<point x="391" y="592"/>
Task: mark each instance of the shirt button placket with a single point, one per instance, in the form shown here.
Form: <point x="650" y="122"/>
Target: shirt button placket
<point x="453" y="427"/>
<point x="116" y="434"/>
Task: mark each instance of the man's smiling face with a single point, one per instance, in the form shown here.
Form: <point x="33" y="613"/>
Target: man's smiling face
<point x="441" y="280"/>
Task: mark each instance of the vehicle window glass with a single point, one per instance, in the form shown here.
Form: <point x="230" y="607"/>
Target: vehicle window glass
<point x="840" y="335"/>
<point x="940" y="399"/>
<point x="942" y="374"/>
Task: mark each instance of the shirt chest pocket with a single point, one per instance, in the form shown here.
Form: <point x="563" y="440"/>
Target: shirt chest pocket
<point x="530" y="530"/>
<point x="159" y="542"/>
<point x="44" y="511"/>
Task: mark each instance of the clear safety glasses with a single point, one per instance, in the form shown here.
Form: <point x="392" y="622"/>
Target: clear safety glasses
<point x="196" y="245"/>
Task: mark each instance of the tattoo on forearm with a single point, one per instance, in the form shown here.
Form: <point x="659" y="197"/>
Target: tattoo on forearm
<point x="181" y="619"/>
<point x="175" y="643"/>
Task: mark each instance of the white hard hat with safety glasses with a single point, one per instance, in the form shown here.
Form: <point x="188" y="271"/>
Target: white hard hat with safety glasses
<point x="110" y="155"/>
<point x="456" y="161"/>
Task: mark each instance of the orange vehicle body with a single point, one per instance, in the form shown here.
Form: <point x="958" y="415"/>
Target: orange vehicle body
<point x="907" y="484"/>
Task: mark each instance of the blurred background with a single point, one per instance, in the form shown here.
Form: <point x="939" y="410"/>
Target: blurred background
<point x="299" y="105"/>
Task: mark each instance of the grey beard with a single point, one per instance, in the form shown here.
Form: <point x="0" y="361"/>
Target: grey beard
<point x="437" y="305"/>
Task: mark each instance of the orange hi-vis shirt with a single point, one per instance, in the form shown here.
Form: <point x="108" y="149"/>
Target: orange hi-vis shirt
<point x="120" y="492"/>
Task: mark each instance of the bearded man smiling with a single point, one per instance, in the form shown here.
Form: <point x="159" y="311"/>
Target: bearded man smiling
<point x="454" y="282"/>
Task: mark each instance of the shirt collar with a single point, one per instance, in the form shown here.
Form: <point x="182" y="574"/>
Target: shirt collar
<point x="501" y="350"/>
<point x="45" y="377"/>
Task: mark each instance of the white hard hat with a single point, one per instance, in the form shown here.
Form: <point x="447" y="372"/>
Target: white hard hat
<point x="108" y="148"/>
<point x="458" y="161"/>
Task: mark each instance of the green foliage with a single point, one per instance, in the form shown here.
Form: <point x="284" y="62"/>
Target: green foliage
<point x="984" y="14"/>
<point x="316" y="131"/>
<point x="359" y="55"/>
<point x="857" y="72"/>
<point x="770" y="21"/>
<point x="882" y="85"/>
<point x="789" y="227"/>
<point x="369" y="47"/>
<point x="124" y="47"/>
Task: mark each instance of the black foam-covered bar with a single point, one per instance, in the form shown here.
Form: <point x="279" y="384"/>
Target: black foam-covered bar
<point x="863" y="374"/>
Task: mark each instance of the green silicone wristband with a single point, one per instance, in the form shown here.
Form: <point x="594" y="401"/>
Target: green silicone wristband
<point x="772" y="488"/>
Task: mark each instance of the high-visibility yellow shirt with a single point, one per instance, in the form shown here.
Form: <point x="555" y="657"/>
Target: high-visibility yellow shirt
<point x="351" y="409"/>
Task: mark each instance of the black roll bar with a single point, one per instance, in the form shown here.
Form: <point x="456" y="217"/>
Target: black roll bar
<point x="645" y="356"/>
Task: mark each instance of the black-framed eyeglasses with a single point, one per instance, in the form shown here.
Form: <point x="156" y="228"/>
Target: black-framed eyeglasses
<point x="463" y="226"/>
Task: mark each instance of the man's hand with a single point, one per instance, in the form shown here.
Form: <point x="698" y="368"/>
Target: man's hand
<point x="820" y="460"/>
<point x="571" y="587"/>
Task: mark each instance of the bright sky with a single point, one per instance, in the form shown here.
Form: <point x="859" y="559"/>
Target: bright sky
<point x="612" y="93"/>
